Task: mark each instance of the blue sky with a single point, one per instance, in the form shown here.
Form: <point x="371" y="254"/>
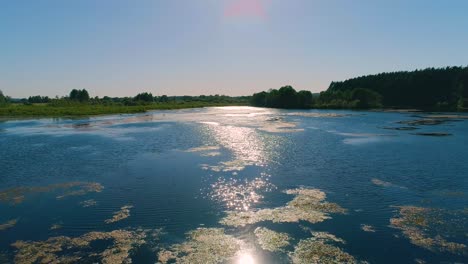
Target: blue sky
<point x="234" y="47"/>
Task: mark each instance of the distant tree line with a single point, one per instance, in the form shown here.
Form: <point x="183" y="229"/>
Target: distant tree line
<point x="285" y="97"/>
<point x="444" y="89"/>
<point x="78" y="97"/>
<point x="428" y="89"/>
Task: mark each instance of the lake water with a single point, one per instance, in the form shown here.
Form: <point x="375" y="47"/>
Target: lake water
<point x="235" y="185"/>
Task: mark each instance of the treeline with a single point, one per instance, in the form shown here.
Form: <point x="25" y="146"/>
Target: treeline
<point x="428" y="89"/>
<point x="287" y="97"/>
<point x="442" y="89"/>
<point x="82" y="97"/>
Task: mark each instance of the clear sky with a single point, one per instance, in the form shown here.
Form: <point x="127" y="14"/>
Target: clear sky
<point x="233" y="47"/>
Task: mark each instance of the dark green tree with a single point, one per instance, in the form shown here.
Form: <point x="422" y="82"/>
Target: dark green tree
<point x="144" y="97"/>
<point x="74" y="94"/>
<point x="164" y="99"/>
<point x="259" y="99"/>
<point x="79" y="95"/>
<point x="427" y="89"/>
<point x="365" y="98"/>
<point x="38" y="99"/>
<point x="304" y="99"/>
<point x="83" y="96"/>
<point x="287" y="97"/>
<point x="3" y="98"/>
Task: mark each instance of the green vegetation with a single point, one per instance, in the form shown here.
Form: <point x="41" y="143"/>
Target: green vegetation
<point x="443" y="89"/>
<point x="79" y="95"/>
<point x="3" y="99"/>
<point x="285" y="97"/>
<point x="429" y="89"/>
<point x="79" y="103"/>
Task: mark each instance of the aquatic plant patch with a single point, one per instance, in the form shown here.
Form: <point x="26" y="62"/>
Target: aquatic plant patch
<point x="18" y="194"/>
<point x="9" y="224"/>
<point x="367" y="228"/>
<point x="271" y="240"/>
<point x="307" y="205"/>
<point x="64" y="249"/>
<point x="203" y="245"/>
<point x="430" y="228"/>
<point x="88" y="203"/>
<point x="320" y="249"/>
<point x="123" y="213"/>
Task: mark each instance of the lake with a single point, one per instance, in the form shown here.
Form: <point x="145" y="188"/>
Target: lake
<point x="235" y="185"/>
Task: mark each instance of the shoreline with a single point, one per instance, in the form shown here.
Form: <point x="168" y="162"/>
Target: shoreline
<point x="79" y="111"/>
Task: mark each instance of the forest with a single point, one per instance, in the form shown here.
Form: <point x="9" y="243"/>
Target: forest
<point x="431" y="89"/>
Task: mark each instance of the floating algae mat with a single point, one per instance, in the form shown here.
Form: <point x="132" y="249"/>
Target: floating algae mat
<point x="307" y="205"/>
<point x="311" y="251"/>
<point x="204" y="245"/>
<point x="322" y="247"/>
<point x="88" y="203"/>
<point x="64" y="249"/>
<point x="123" y="213"/>
<point x="431" y="228"/>
<point x="271" y="240"/>
<point x="18" y="194"/>
<point x="235" y="185"/>
<point x="9" y="224"/>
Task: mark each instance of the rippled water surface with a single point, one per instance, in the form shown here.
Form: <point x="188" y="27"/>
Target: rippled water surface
<point x="235" y="185"/>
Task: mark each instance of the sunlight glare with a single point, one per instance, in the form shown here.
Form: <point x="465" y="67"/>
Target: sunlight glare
<point x="246" y="259"/>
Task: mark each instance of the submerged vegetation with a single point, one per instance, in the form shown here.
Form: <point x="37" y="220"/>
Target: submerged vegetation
<point x="206" y="151"/>
<point x="18" y="194"/>
<point x="9" y="224"/>
<point x="88" y="203"/>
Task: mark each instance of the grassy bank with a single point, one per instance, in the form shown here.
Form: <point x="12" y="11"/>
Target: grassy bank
<point x="46" y="110"/>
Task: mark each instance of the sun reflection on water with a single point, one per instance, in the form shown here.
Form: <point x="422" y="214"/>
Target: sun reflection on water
<point x="246" y="258"/>
<point x="247" y="148"/>
<point x="239" y="194"/>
